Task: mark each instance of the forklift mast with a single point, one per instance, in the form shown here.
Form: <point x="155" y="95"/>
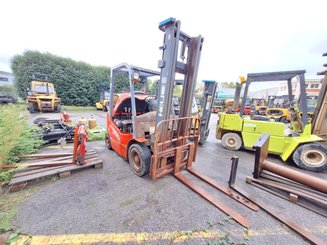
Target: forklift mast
<point x="209" y="93"/>
<point x="174" y="39"/>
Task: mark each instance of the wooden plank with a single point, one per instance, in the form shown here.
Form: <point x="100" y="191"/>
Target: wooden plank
<point x="50" y="155"/>
<point x="56" y="162"/>
<point x="42" y="168"/>
<point x="26" y="169"/>
<point x="6" y="166"/>
<point x="72" y="167"/>
<point x="33" y="171"/>
<point x="18" y="187"/>
<point x="49" y="164"/>
<point x="64" y="174"/>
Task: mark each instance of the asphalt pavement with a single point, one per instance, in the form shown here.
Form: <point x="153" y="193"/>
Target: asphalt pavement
<point x="112" y="203"/>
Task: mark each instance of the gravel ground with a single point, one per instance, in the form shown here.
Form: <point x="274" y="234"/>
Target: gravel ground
<point x="114" y="200"/>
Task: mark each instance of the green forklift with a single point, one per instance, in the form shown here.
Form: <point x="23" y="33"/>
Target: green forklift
<point x="294" y="141"/>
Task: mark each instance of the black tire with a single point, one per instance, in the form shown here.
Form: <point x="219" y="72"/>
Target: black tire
<point x="203" y="137"/>
<point x="312" y="157"/>
<point x="139" y="157"/>
<point x="231" y="141"/>
<point x="58" y="108"/>
<point x="282" y="119"/>
<point x="107" y="141"/>
<point x="31" y="107"/>
<point x="104" y="108"/>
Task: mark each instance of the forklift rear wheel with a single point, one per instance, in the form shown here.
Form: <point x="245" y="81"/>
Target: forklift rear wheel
<point x="312" y="157"/>
<point x="104" y="108"/>
<point x="107" y="141"/>
<point x="139" y="157"/>
<point x="231" y="141"/>
<point x="31" y="107"/>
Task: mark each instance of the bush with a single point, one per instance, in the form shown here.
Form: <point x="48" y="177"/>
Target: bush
<point x="76" y="83"/>
<point x="17" y="137"/>
<point x="8" y="90"/>
<point x="11" y="129"/>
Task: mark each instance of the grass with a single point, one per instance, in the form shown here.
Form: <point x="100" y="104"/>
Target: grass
<point x="8" y="207"/>
<point x="17" y="138"/>
<point x="11" y="129"/>
<point x="127" y="203"/>
<point x="96" y="134"/>
<point x="20" y="104"/>
<point x="77" y="108"/>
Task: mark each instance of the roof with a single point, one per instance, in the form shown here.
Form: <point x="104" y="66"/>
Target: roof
<point x="273" y="76"/>
<point x="143" y="72"/>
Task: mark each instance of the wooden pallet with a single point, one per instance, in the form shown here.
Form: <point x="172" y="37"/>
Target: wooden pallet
<point x="62" y="167"/>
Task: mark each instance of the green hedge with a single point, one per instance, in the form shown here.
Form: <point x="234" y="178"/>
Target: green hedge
<point x="76" y="83"/>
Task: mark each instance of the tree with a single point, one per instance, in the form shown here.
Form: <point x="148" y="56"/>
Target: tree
<point x="152" y="85"/>
<point x="228" y="85"/>
<point x="76" y="83"/>
<point x="8" y="90"/>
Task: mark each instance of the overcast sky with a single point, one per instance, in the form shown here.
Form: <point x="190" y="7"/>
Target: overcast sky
<point x="240" y="36"/>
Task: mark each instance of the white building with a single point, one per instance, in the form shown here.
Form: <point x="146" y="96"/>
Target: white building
<point x="312" y="86"/>
<point x="6" y="78"/>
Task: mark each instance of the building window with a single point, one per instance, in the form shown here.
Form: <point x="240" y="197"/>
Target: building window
<point x="4" y="79"/>
<point x="314" y="86"/>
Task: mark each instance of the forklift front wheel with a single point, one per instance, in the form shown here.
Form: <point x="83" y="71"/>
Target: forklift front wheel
<point x="312" y="157"/>
<point x="107" y="141"/>
<point x="59" y="108"/>
<point x="31" y="107"/>
<point x="139" y="157"/>
<point x="203" y="137"/>
<point x="231" y="141"/>
<point x="283" y="119"/>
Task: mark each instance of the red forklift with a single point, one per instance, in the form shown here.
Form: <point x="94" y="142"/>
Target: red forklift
<point x="144" y="129"/>
<point x="131" y="117"/>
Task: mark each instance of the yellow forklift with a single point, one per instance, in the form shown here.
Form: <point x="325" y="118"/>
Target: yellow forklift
<point x="295" y="142"/>
<point x="41" y="96"/>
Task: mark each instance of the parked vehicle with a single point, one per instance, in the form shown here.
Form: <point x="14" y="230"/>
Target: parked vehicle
<point x="42" y="95"/>
<point x="102" y="105"/>
<point x="297" y="142"/>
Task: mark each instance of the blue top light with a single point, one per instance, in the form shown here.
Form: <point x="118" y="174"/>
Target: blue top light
<point x="166" y="21"/>
<point x="208" y="81"/>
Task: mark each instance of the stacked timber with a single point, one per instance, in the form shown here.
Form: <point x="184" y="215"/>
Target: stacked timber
<point x="43" y="165"/>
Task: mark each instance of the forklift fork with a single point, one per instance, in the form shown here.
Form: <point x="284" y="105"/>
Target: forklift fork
<point x="175" y="153"/>
<point x="176" y="139"/>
